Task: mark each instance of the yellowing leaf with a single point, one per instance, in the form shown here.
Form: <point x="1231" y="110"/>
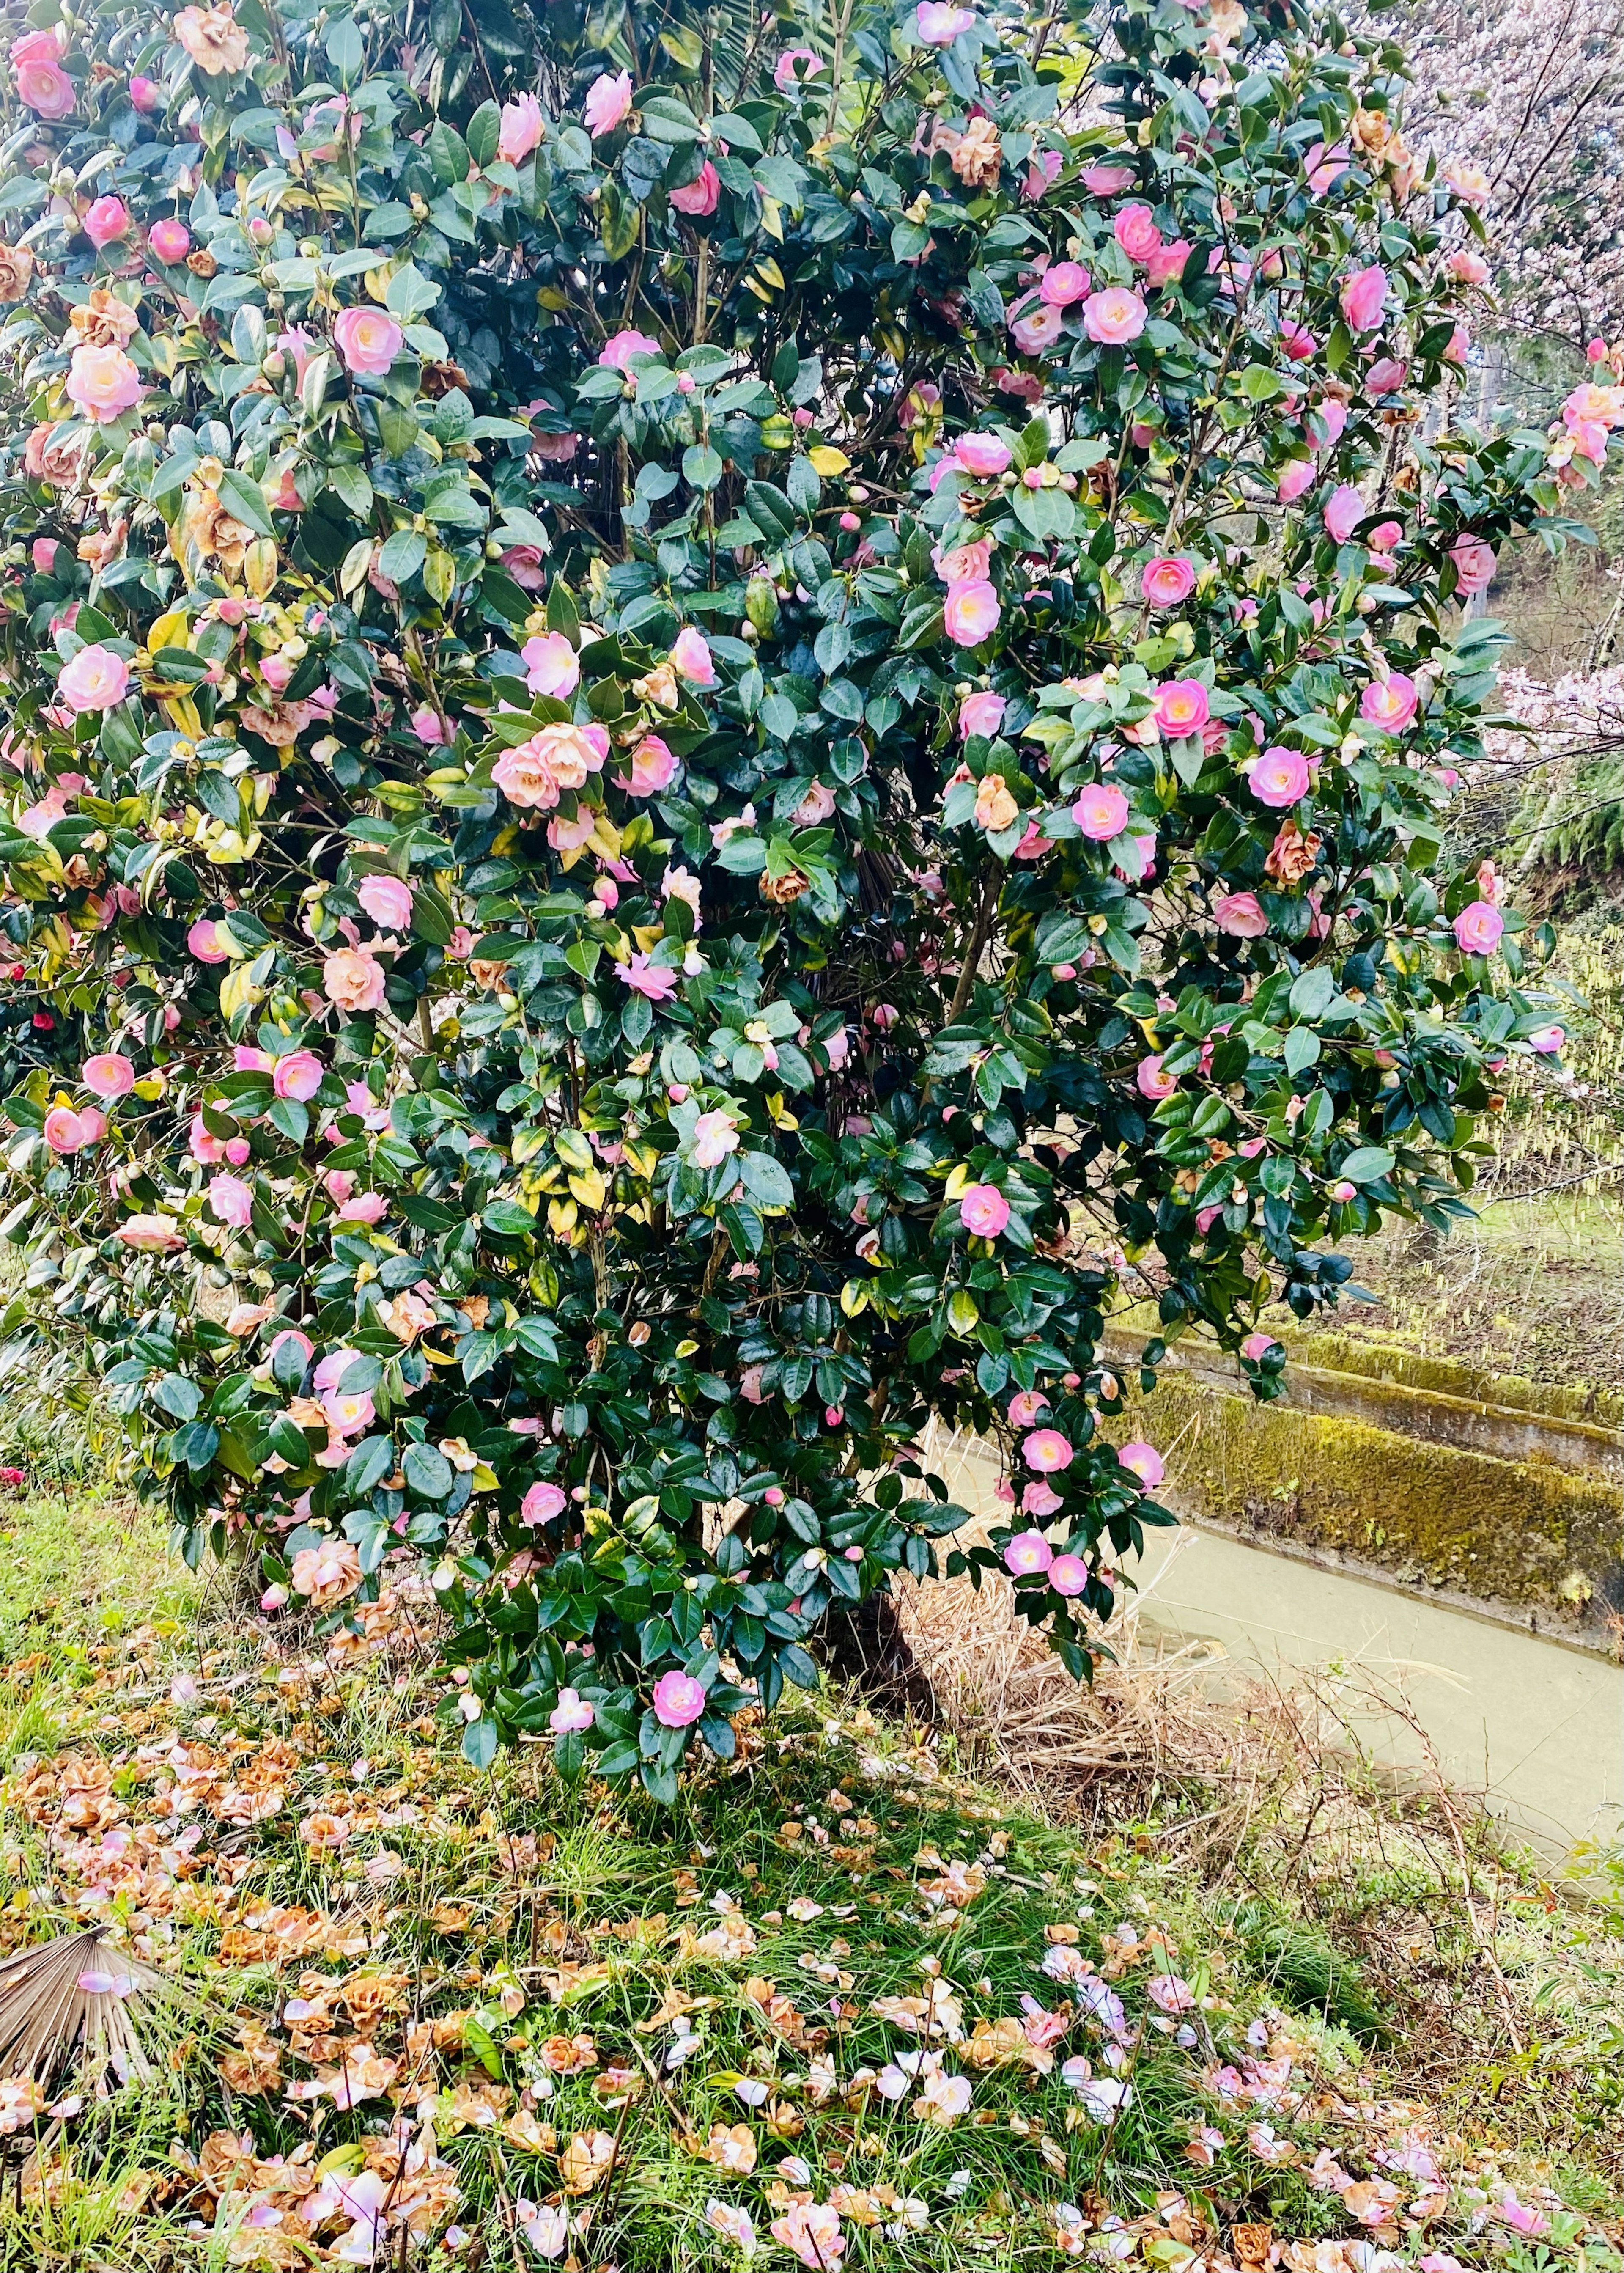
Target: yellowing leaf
<point x="827" y="461"/>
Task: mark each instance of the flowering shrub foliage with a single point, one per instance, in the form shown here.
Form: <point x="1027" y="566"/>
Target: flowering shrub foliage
<point x="709" y="729"/>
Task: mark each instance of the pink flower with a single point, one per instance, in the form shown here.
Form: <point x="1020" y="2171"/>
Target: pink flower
<point x="1390" y="702"/>
<point x="298" y="1075"/>
<point x="353" y="979"/>
<point x="1043" y="170"/>
<point x="784" y="76"/>
<point x="982" y="1209"/>
<point x="690" y="658"/>
<point x="231" y="1200"/>
<point x="1363" y="296"/>
<point x="654" y="767"/>
<point x="678" y="1699"/>
<point x="1143" y="1461"/>
<point x="609" y="99"/>
<point x="1478" y="928"/>
<point x="1547" y="1041"/>
<point x="1136" y="231"/>
<point x="543" y="1502"/>
<point x="1150" y="1079"/>
<point x="617" y="353"/>
<point x="103" y="382"/>
<point x="524" y="564"/>
<point x="203" y="941"/>
<point x="550" y="664"/>
<point x="643" y="976"/>
<point x="152" y="1234"/>
<point x="1045" y="1451"/>
<point x="982" y="454"/>
<point x="1280" y="777"/>
<point x="1068" y="1574"/>
<point x="571" y="1714"/>
<point x="1257" y="1347"/>
<point x="1028" y="1553"/>
<point x="1061" y="283"/>
<point x="1167" y="264"/>
<point x="1475" y="563"/>
<point x="1344" y="512"/>
<point x="108" y="1075"/>
<point x="1101" y="812"/>
<point x="1107" y="181"/>
<point x="715" y="1135"/>
<point x="387" y="900"/>
<point x="1299" y="342"/>
<point x="369" y="340"/>
<point x="105" y="221"/>
<point x="291" y="1335"/>
<point x="44" y="87"/>
<point x="363" y="1207"/>
<point x="1025" y="1406"/>
<point x="1181" y="708"/>
<point x="1113" y="317"/>
<point x="1467" y="267"/>
<point x="938" y="24"/>
<point x="66" y="1131"/>
<point x="1296" y="476"/>
<point x="170" y="240"/>
<point x="1385" y="377"/>
<point x="1039" y="1500"/>
<point x="1036" y="326"/>
<point x="1167" y="580"/>
<point x="971" y="613"/>
<point x="95" y="679"/>
<point x="521" y="129"/>
<point x="980" y="714"/>
<point x="699" y="198"/>
<point x="1240" y="916"/>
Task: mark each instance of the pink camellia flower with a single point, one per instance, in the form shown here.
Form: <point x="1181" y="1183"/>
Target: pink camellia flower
<point x="1136" y="231"/>
<point x="1386" y="376"/>
<point x="1062" y="282"/>
<point x="980" y="714"/>
<point x="657" y="981"/>
<point x="1280" y="777"/>
<point x="1167" y="580"/>
<point x="1046" y="1451"/>
<point x="1181" y="708"/>
<point x="1344" y="512"/>
<point x="363" y="1207"/>
<point x="690" y="658"/>
<point x="387" y="900"/>
<point x="1108" y="180"/>
<point x="66" y="1131"/>
<point x="353" y="979"/>
<point x="786" y="79"/>
<point x="699" y="198"/>
<point x="1296" y="476"/>
<point x="1043" y="171"/>
<point x="1151" y="1081"/>
<point x="678" y="1699"/>
<point x="103" y="382"/>
<point x="1039" y="1500"/>
<point x="571" y="1714"/>
<point x="1113" y="317"/>
<point x="715" y="1135"/>
<point x="550" y="664"/>
<point x="151" y="1235"/>
<point x="1101" y="812"/>
<point x="938" y="24"/>
<point x="524" y="563"/>
<point x="971" y="613"/>
<point x="983" y="455"/>
<point x="105" y="221"/>
<point x="1034" y="325"/>
<point x="1478" y="928"/>
<point x="1363" y="296"/>
<point x="1068" y="1575"/>
<point x="170" y="240"/>
<point x="543" y="1502"/>
<point x="1143" y="1461"/>
<point x="654" y="767"/>
<point x="1257" y="1347"/>
<point x="1547" y="1041"/>
<point x="1298" y="343"/>
<point x="108" y="1075"/>
<point x="231" y="1200"/>
<point x="1028" y="1553"/>
<point x="1467" y="267"/>
<point x="43" y="85"/>
<point x="982" y="1209"/>
<point x="1390" y="702"/>
<point x="617" y="353"/>
<point x="369" y="340"/>
<point x="521" y="129"/>
<point x="1025" y="1406"/>
<point x="1342" y="1190"/>
<point x="297" y="1076"/>
<point x="1475" y="563"/>
<point x="94" y="680"/>
<point x="203" y="941"/>
<point x="1240" y="915"/>
<point x="609" y="100"/>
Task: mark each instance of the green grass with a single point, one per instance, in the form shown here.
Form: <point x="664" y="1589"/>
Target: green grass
<point x="539" y="1914"/>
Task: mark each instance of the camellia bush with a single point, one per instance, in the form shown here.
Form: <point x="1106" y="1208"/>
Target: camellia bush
<point x="716" y="723"/>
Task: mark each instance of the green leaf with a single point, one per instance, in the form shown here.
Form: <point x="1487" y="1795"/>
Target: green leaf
<point x="346" y="51"/>
<point x="246" y="501"/>
<point x="427" y="1471"/>
<point x="1367" y="1165"/>
<point x="372" y="1459"/>
<point x="481" y="1742"/>
<point x="402" y="555"/>
<point x="178" y="1396"/>
<point x="484" y="132"/>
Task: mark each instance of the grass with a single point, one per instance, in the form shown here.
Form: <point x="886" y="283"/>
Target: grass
<point x="568" y="2021"/>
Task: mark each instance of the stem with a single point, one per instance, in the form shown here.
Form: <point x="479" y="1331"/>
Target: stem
<point x="992" y="891"/>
